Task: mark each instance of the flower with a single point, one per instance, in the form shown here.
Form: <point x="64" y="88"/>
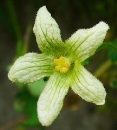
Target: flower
<point x="61" y="61"/>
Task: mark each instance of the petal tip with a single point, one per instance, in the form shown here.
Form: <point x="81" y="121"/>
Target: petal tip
<point x="42" y="10"/>
<point x="44" y="7"/>
<point x="104" y="25"/>
<point x="43" y="116"/>
<point x="10" y="75"/>
<point x="101" y="103"/>
<point x="44" y="121"/>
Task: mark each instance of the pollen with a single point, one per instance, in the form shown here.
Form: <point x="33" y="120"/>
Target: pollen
<point x="62" y="64"/>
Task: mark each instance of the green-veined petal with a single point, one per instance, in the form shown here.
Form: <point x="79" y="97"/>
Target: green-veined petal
<point x="87" y="86"/>
<point x="84" y="42"/>
<point x="47" y="32"/>
<point x="51" y="100"/>
<point x="31" y="67"/>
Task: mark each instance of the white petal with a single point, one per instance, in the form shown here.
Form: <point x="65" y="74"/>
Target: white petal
<point x="47" y="31"/>
<point x="51" y="100"/>
<point x="31" y="67"/>
<point x="88" y="87"/>
<point x="84" y="42"/>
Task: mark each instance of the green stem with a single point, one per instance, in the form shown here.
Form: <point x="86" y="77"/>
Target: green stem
<point x="14" y="20"/>
<point x="27" y="38"/>
<point x="106" y="65"/>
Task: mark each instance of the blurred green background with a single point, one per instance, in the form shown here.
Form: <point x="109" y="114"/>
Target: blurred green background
<point x="18" y="102"/>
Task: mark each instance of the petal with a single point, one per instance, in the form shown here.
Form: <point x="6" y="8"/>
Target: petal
<point x="84" y="42"/>
<point x="51" y="100"/>
<point x="47" y="32"/>
<point x="31" y="67"/>
<point x="88" y="87"/>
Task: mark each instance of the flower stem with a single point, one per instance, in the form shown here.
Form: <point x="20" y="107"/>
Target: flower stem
<point x="27" y="38"/>
<point x="103" y="68"/>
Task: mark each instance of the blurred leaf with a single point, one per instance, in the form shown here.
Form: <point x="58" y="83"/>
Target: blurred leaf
<point x="19" y="48"/>
<point x="32" y="120"/>
<point x="20" y="86"/>
<point x="86" y="62"/>
<point x="27" y="104"/>
<point x="8" y="67"/>
<point x="112" y="53"/>
<point x="19" y="127"/>
<point x="107" y="44"/>
<point x="18" y="105"/>
<point x="36" y="88"/>
<point x="114" y="84"/>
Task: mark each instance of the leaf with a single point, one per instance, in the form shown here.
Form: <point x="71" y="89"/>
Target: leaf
<point x="20" y="86"/>
<point x="113" y="52"/>
<point x="86" y="62"/>
<point x="109" y="44"/>
<point x="27" y="104"/>
<point x="114" y="84"/>
<point x="31" y="121"/>
<point x="36" y="88"/>
<point x="112" y="55"/>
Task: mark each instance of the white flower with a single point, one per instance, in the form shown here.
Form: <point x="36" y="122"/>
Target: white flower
<point x="61" y="61"/>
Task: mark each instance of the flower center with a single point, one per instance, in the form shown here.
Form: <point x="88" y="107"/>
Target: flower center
<point x="62" y="64"/>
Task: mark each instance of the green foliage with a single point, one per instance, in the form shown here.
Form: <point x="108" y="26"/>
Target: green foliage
<point x="36" y="88"/>
<point x="112" y="49"/>
<point x="113" y="52"/>
<point x="27" y="104"/>
<point x="20" y="86"/>
<point x="114" y="84"/>
<point x="87" y="62"/>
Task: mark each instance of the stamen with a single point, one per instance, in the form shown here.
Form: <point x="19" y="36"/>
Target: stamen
<point x="62" y="64"/>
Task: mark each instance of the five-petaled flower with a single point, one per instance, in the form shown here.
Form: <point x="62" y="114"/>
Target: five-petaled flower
<point x="61" y="61"/>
